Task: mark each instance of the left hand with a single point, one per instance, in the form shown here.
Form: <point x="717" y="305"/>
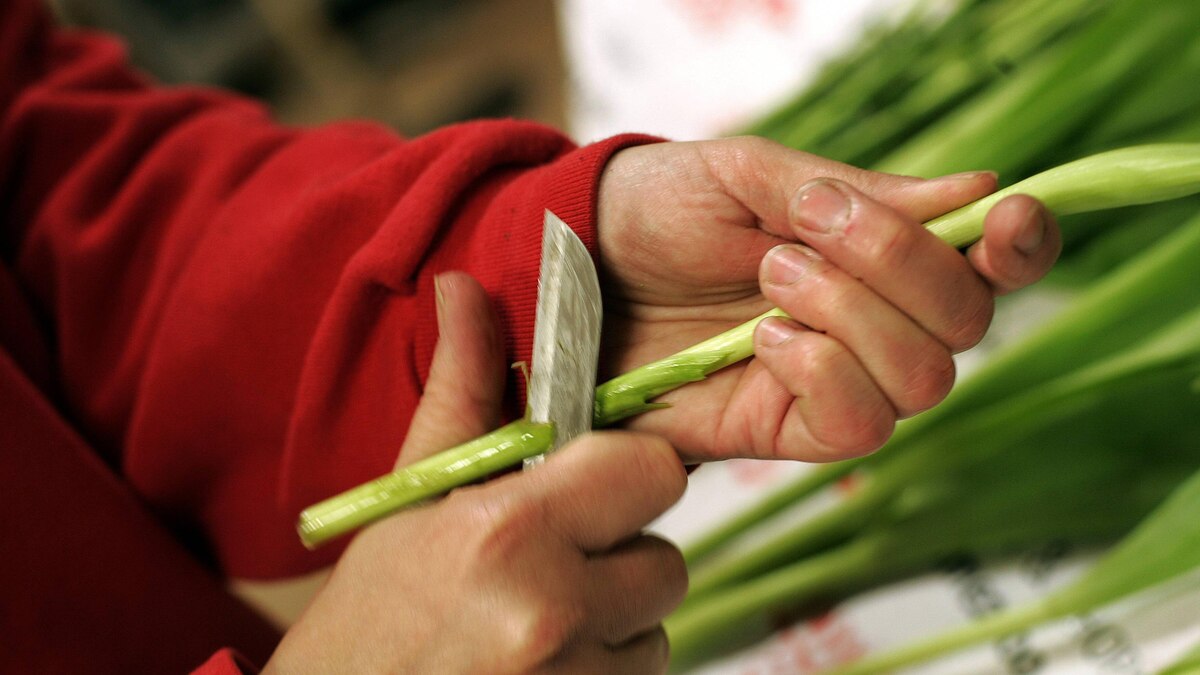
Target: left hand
<point x="879" y="303"/>
<point x="538" y="571"/>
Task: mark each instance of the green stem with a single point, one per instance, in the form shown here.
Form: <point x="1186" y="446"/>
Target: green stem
<point x="1121" y="177"/>
<point x="744" y="613"/>
<point x="991" y="627"/>
<point x="820" y="477"/>
<point x="421" y="480"/>
<point x="878" y="67"/>
<point x="1050" y="97"/>
<point x="952" y="78"/>
<point x="629" y="394"/>
<point x="1165" y="545"/>
<point x="1166" y="349"/>
<point x="1137" y="175"/>
<point x="811" y="536"/>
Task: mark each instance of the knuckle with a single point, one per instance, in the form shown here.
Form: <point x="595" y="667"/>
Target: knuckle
<point x="928" y="383"/>
<point x="1022" y="274"/>
<point x="541" y="628"/>
<point x="826" y="295"/>
<point x="466" y="505"/>
<point x="673" y="567"/>
<point x="818" y="354"/>
<point x="664" y="573"/>
<point x="892" y="244"/>
<point x="972" y="324"/>
<point x="503" y="527"/>
<point x="657" y="460"/>
<point x="818" y="357"/>
<point x="742" y="154"/>
<point x="751" y="144"/>
<point x="658" y="655"/>
<point x="850" y="430"/>
<point x="809" y="362"/>
<point x="860" y="432"/>
<point x="874" y="431"/>
<point x="1008" y="270"/>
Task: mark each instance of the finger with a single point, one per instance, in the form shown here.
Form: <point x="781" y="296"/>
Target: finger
<point x="764" y="176"/>
<point x="914" y="370"/>
<point x="647" y="654"/>
<point x="1020" y="243"/>
<point x="462" y="397"/>
<point x="632" y="588"/>
<point x="833" y="409"/>
<point x="897" y="258"/>
<point x="604" y="487"/>
<point x="923" y="200"/>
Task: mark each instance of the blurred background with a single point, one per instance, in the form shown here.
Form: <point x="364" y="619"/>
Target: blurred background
<point x="412" y="64"/>
<point x="683" y="69"/>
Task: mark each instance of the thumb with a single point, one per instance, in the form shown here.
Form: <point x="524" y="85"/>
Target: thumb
<point x="463" y="395"/>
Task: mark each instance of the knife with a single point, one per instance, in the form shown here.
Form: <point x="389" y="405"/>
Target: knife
<point x="566" y="345"/>
<point x="566" y="336"/>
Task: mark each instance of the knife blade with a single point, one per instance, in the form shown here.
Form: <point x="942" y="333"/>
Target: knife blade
<point x="566" y="345"/>
<point x="566" y="336"/>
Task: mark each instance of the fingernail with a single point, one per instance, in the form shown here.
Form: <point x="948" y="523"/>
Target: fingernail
<point x="1032" y="233"/>
<point x="774" y="331"/>
<point x="970" y="175"/>
<point x="787" y="263"/>
<point x="821" y="207"/>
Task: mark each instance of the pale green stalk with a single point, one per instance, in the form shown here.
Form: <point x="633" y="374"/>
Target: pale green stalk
<point x="952" y="78"/>
<point x="1144" y="293"/>
<point x="1101" y="240"/>
<point x="953" y="445"/>
<point x="819" y="477"/>
<point x="1154" y="172"/>
<point x="1063" y="495"/>
<point x="811" y="536"/>
<point x="1032" y="486"/>
<point x="1016" y="123"/>
<point x="733" y="619"/>
<point x="1166" y="97"/>
<point x="880" y="70"/>
<point x="421" y="480"/>
<point x="1165" y="546"/>
<point x="629" y="394"/>
<point x="1137" y="175"/>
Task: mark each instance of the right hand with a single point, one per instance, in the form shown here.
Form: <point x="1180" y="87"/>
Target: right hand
<point x="542" y="571"/>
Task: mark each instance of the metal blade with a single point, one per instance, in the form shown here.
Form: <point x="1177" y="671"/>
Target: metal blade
<point x="566" y="335"/>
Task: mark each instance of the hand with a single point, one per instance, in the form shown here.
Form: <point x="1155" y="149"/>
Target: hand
<point x="542" y="571"/>
<point x="698" y="237"/>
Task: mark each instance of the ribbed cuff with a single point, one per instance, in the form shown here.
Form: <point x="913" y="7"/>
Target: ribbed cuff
<point x="226" y="662"/>
<point x="568" y="187"/>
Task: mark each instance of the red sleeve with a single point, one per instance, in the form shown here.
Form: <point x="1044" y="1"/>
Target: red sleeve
<point x="226" y="662"/>
<point x="241" y="314"/>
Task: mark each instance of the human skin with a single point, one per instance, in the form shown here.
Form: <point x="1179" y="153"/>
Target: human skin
<point x="548" y="571"/>
<point x="542" y="571"/>
<point x="698" y="237"/>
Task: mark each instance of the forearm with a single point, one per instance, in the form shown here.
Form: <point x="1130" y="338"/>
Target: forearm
<point x="236" y="308"/>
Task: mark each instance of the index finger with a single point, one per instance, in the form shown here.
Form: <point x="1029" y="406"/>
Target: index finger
<point x="764" y="176"/>
<point x="603" y="488"/>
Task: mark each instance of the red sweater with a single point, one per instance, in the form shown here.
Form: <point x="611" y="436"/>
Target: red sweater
<point x="209" y="321"/>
